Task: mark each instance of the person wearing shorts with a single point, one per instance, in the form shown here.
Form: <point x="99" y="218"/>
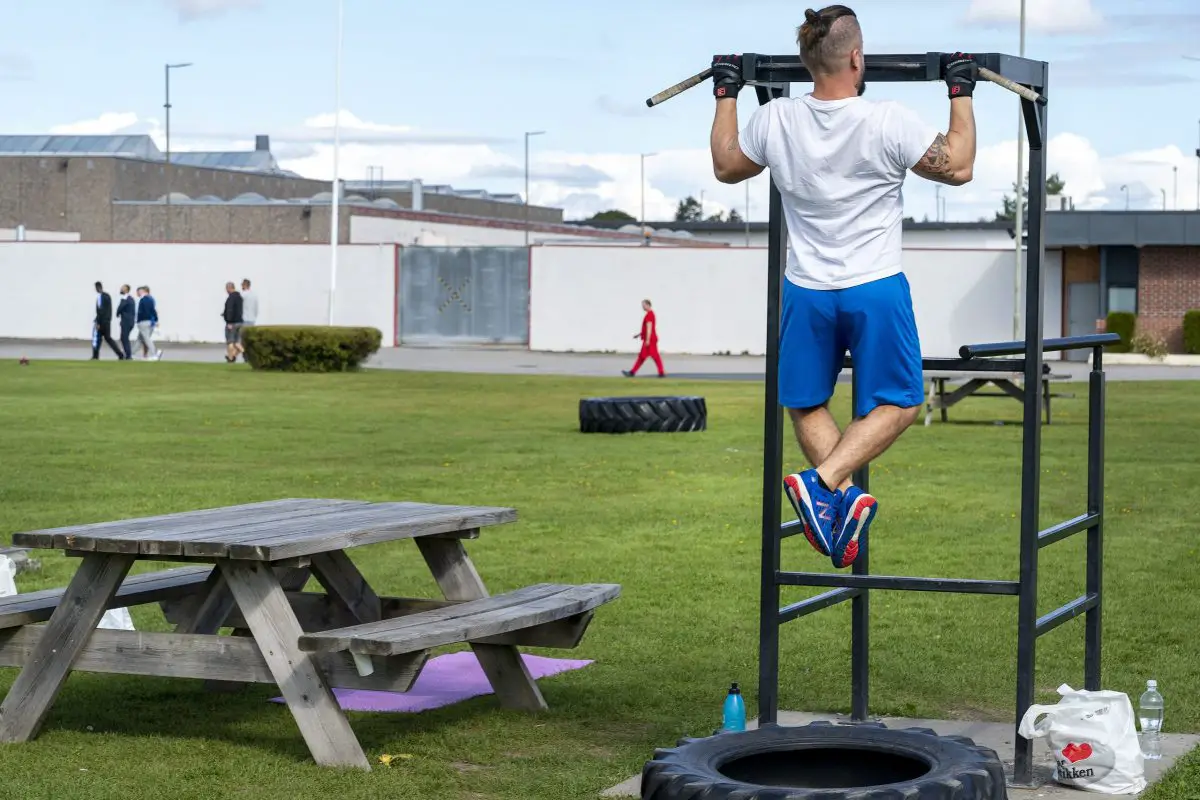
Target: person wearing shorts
<point x="840" y="162"/>
<point x="232" y="314"/>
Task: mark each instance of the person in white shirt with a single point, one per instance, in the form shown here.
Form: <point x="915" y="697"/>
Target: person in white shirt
<point x="839" y="162"/>
<point x="249" y="304"/>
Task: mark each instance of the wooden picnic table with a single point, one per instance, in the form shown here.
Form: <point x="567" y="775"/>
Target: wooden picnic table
<point x="1008" y="383"/>
<point x="255" y="560"/>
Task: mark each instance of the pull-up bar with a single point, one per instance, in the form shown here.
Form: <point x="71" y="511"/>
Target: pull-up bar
<point x="772" y="76"/>
<point x="993" y="67"/>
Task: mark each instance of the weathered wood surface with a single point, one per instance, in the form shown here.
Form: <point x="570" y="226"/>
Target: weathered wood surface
<point x="72" y="623"/>
<point x="464" y="622"/>
<point x="216" y="658"/>
<point x="274" y="531"/>
<point x="324" y="727"/>
<point x="320" y="612"/>
<point x="342" y="580"/>
<point x="149" y="587"/>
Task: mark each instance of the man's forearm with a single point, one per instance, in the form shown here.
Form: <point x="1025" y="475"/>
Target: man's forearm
<point x="724" y="139"/>
<point x="961" y="134"/>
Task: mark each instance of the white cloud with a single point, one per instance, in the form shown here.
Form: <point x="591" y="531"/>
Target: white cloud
<point x="585" y="183"/>
<point x="107" y="123"/>
<point x="1041" y="16"/>
<point x="190" y="10"/>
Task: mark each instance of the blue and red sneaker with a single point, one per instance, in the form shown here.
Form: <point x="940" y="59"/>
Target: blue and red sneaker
<point x="855" y="516"/>
<point x="816" y="506"/>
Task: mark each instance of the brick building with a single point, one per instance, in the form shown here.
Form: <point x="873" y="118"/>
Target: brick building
<point x="1144" y="262"/>
<point x="115" y="188"/>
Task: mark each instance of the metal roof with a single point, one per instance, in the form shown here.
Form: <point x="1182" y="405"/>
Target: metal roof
<point x="137" y="146"/>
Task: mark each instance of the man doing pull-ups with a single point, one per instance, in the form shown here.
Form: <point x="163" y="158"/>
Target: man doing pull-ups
<point x="839" y="162"/>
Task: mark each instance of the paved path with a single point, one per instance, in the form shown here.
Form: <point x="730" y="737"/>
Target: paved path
<point x="518" y="361"/>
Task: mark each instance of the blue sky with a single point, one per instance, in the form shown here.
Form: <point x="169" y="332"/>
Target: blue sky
<point x="444" y="91"/>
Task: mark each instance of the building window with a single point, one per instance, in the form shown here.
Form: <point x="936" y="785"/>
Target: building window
<point x="1120" y="269"/>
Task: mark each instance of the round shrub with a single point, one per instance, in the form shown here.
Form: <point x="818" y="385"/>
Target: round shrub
<point x="309" y="348"/>
<point x="1191" y="332"/>
<point x="1124" y="323"/>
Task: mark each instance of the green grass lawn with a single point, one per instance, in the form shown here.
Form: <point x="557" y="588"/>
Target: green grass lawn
<point x="673" y="518"/>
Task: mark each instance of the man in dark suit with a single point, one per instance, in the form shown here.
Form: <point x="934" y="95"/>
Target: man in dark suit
<point x="102" y="324"/>
<point x="127" y="314"/>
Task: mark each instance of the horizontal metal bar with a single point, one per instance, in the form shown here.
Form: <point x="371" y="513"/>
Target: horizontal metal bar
<point x="1015" y="365"/>
<point x="1062" y="530"/>
<point x="824" y="600"/>
<point x="1048" y="345"/>
<point x="954" y="585"/>
<point x="1048" y="622"/>
<point x="758" y="68"/>
<point x="790" y="529"/>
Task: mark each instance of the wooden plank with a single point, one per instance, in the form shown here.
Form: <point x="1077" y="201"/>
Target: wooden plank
<point x="341" y="578"/>
<point x="322" y="724"/>
<point x="72" y="623"/>
<point x="458" y="579"/>
<point x="168" y="539"/>
<point x="469" y="621"/>
<point x="148" y="587"/>
<point x="320" y="612"/>
<point x="60" y="538"/>
<point x="299" y="562"/>
<point x="446" y="519"/>
<point x="213" y="658"/>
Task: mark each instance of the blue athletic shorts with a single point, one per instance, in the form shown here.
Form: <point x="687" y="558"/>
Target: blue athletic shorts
<point x="874" y="321"/>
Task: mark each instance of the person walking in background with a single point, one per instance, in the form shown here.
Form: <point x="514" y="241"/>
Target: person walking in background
<point x="127" y="314"/>
<point x="147" y="321"/>
<point x="249" y="311"/>
<point x="102" y="323"/>
<point x="649" y="337"/>
<point x="233" y="322"/>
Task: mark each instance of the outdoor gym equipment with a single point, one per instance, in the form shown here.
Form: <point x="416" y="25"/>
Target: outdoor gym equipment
<point x="772" y="76"/>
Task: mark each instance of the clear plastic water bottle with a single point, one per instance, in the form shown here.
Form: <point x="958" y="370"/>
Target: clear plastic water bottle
<point x="1150" y="716"/>
<point x="734" y="716"/>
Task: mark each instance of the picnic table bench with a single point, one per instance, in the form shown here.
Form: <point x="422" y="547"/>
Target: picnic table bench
<point x="1009" y="384"/>
<point x="255" y="561"/>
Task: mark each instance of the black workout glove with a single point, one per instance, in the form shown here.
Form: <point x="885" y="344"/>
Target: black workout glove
<point x="727" y="76"/>
<point x="960" y="72"/>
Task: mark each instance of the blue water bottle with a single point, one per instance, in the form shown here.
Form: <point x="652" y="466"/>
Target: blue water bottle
<point x="734" y="717"/>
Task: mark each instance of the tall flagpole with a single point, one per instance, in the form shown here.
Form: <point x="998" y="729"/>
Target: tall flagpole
<point x="334" y="222"/>
<point x="1019" y="213"/>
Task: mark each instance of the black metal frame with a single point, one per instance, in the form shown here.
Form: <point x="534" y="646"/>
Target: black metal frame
<point x="772" y="76"/>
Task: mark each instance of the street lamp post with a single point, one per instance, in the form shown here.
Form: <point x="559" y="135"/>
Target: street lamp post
<point x="527" y="135"/>
<point x="335" y="200"/>
<point x="167" y="107"/>
<point x="1019" y="206"/>
<point x="1125" y="189"/>
<point x="644" y="156"/>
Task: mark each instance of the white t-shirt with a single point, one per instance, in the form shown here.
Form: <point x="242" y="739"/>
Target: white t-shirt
<point x="839" y="166"/>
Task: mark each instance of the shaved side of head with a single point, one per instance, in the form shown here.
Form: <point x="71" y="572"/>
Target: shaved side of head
<point x="827" y="38"/>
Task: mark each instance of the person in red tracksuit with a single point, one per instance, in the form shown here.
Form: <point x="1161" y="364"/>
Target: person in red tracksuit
<point x="649" y="337"/>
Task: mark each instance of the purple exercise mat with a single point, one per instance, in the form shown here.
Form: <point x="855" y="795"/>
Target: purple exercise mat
<point x="446" y="679"/>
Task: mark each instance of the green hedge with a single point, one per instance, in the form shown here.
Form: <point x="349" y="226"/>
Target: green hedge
<point x="1124" y="323"/>
<point x="309" y="348"/>
<point x="1191" y="332"/>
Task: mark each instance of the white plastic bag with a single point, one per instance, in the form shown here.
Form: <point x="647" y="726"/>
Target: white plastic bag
<point x="1093" y="738"/>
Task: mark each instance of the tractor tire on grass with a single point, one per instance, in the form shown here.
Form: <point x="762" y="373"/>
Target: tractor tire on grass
<point x="642" y="414"/>
<point x="865" y="761"/>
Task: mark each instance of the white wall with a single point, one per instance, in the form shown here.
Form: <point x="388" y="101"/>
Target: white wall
<point x="50" y="294"/>
<point x="714" y="301"/>
<point x="11" y="234"/>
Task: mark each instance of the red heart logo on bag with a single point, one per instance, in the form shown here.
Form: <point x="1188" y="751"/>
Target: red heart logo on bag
<point x="1077" y="752"/>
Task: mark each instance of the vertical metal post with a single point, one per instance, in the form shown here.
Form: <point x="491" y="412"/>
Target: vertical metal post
<point x="768" y="625"/>
<point x="167" y="109"/>
<point x="860" y="606"/>
<point x="1095" y="535"/>
<point x="1031" y="450"/>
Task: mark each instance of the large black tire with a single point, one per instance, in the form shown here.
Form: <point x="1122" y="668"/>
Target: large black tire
<point x="957" y="768"/>
<point x="646" y="414"/>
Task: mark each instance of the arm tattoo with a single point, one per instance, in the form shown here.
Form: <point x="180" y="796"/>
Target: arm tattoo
<point x="733" y="143"/>
<point x="936" y="160"/>
<point x="935" y="164"/>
